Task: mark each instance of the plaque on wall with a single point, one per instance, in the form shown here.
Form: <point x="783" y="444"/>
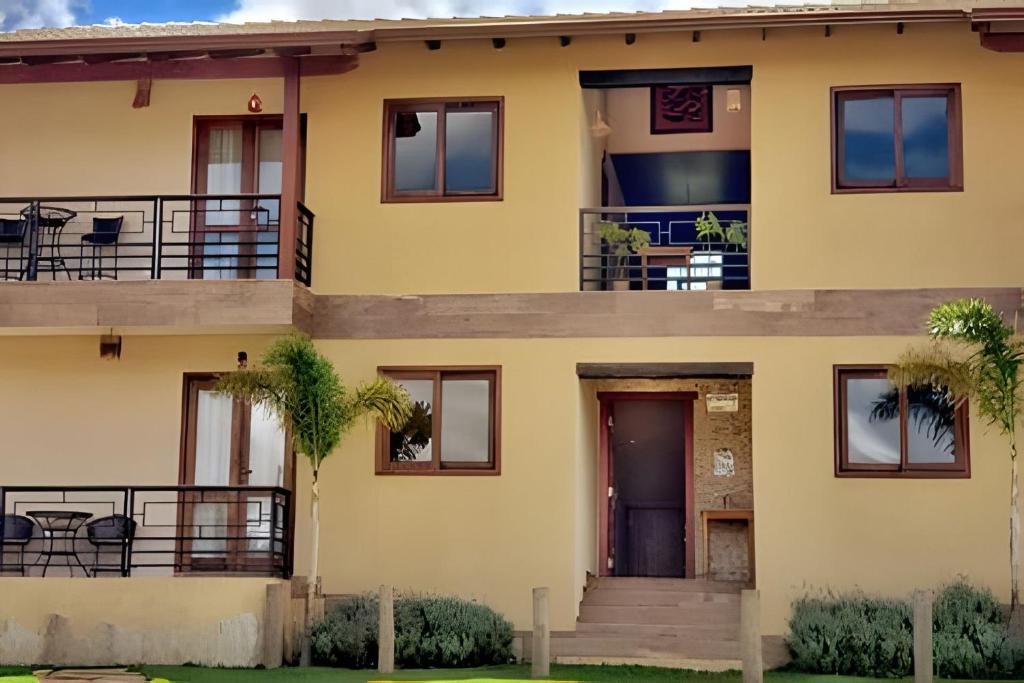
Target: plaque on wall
<point x="725" y="464"/>
<point x="723" y="403"/>
<point x="680" y="109"/>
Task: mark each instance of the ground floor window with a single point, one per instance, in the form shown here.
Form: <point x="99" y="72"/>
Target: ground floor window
<point x="455" y="424"/>
<point x="882" y="430"/>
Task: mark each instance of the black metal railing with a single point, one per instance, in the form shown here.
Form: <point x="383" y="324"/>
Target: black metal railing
<point x="158" y="237"/>
<point x="145" y="530"/>
<point x="691" y="247"/>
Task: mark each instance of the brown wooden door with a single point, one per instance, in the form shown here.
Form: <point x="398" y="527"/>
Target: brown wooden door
<point x="233" y="238"/>
<point x="229" y="443"/>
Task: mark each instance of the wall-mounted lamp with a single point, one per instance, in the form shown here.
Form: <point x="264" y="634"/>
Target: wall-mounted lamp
<point x="243" y="360"/>
<point x="733" y="100"/>
<point x="600" y="129"/>
<point x="255" y="104"/>
<point x="110" y="346"/>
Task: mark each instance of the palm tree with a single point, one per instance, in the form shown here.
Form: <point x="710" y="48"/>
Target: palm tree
<point x="302" y="388"/>
<point x="975" y="355"/>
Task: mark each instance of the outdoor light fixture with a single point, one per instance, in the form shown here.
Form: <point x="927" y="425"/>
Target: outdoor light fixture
<point x="243" y="360"/>
<point x="255" y="104"/>
<point x="600" y="129"/>
<point x="110" y="346"/>
<point x="733" y="100"/>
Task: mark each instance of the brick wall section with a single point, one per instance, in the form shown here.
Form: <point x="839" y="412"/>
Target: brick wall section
<point x="712" y="431"/>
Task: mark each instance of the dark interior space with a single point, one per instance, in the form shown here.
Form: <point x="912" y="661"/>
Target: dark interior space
<point x="647" y="462"/>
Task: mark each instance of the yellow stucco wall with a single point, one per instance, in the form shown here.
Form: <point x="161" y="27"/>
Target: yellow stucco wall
<point x="86" y="138"/>
<point x="494" y="538"/>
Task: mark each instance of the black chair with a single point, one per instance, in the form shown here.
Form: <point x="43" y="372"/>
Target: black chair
<point x="105" y="233"/>
<point x="12" y="233"/>
<point x="16" y="531"/>
<point x="107" y="534"/>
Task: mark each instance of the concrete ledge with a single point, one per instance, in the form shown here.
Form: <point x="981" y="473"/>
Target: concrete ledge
<point x="213" y="621"/>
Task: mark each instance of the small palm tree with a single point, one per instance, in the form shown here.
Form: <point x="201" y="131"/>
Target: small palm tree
<point x="302" y="388"/>
<point x="975" y="355"/>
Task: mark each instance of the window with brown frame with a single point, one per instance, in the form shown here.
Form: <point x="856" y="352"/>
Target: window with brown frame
<point x="884" y="431"/>
<point x="443" y="150"/>
<point x="904" y="138"/>
<point x="455" y="427"/>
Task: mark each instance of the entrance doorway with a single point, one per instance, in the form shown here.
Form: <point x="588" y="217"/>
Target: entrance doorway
<point x="647" y="476"/>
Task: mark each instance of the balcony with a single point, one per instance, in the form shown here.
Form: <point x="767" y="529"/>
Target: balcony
<point x="675" y="248"/>
<point x="145" y="531"/>
<point x="160" y="237"/>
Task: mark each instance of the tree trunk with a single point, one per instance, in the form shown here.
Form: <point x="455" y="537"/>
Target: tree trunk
<point x="313" y="582"/>
<point x="1016" y="618"/>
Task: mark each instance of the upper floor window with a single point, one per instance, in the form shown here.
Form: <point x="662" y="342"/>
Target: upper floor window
<point x="454" y="426"/>
<point x="443" y="150"/>
<point x="897" y="139"/>
<point x="882" y="430"/>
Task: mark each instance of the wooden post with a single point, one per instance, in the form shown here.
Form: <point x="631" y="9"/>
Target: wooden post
<point x="386" y="631"/>
<point x="273" y="624"/>
<point x="750" y="636"/>
<point x="291" y="156"/>
<point x="540" y="653"/>
<point x="922" y="637"/>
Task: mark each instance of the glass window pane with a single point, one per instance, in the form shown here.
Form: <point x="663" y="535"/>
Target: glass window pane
<point x="220" y="255"/>
<point x="266" y="448"/>
<point x="269" y="181"/>
<point x="414" y="443"/>
<point x="466" y="420"/>
<point x="469" y="151"/>
<point x="872" y="422"/>
<point x="925" y="137"/>
<point x="931" y="425"/>
<point x="415" y="151"/>
<point x="212" y="468"/>
<point x="869" y="148"/>
<point x="224" y="175"/>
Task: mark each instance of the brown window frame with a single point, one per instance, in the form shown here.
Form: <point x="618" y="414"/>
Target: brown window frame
<point x="954" y="118"/>
<point x="384" y="465"/>
<point x="441" y="105"/>
<point x="959" y="469"/>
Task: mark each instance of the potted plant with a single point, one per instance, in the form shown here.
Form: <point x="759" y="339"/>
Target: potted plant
<point x="710" y="230"/>
<point x="622" y="243"/>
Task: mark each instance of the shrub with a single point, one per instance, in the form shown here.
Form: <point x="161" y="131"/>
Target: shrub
<point x="858" y="635"/>
<point x="430" y="631"/>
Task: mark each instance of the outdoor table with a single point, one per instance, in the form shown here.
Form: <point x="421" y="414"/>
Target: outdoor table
<point x="52" y="220"/>
<point x="60" y="525"/>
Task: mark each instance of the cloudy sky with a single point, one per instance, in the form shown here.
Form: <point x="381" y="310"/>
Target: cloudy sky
<point x="15" y="14"/>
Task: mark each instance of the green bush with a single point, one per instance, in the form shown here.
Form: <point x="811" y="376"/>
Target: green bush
<point x="856" y="635"/>
<point x="430" y="631"/>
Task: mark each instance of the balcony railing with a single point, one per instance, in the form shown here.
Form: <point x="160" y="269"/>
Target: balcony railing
<point x="145" y="530"/>
<point x="159" y="237"/>
<point x="691" y="247"/>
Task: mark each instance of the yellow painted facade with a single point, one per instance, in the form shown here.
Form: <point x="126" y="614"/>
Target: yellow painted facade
<point x="495" y="538"/>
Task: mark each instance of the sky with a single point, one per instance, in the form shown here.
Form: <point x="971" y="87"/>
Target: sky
<point x="16" y="14"/>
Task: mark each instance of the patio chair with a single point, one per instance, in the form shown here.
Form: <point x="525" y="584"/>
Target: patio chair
<point x="107" y="534"/>
<point x="105" y="233"/>
<point x="15" y="530"/>
<point x="12" y="239"/>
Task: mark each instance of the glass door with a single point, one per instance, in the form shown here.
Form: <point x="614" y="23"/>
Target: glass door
<point x="234" y="238"/>
<point x="230" y="443"/>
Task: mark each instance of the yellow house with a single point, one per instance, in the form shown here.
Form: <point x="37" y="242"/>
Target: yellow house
<point x="640" y="272"/>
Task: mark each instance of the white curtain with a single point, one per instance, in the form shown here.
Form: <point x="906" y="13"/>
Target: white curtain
<point x="212" y="468"/>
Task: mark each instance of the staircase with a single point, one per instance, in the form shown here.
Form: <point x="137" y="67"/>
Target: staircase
<point x="663" y="622"/>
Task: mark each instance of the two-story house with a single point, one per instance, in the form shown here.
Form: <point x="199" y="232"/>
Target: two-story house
<point x="641" y="273"/>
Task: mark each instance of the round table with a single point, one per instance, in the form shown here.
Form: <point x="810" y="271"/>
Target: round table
<point x="52" y="220"/>
<point x="63" y="526"/>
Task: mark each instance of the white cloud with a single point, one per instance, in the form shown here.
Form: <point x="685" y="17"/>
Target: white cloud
<point x="265" y="10"/>
<point x="17" y="14"/>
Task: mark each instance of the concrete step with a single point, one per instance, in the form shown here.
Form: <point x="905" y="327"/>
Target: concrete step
<point x="728" y="632"/>
<point x="695" y="614"/>
<point x="575" y="645"/>
<point x="678" y="585"/>
<point x="640" y="597"/>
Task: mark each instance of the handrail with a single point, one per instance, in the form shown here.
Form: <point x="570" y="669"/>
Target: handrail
<point x="674" y="208"/>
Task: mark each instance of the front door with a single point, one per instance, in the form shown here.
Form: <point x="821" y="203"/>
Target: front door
<point x="646" y="441"/>
<point x="229" y="443"/>
<point x="234" y="238"/>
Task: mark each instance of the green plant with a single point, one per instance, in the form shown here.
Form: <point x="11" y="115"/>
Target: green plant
<point x="971" y="639"/>
<point x="621" y="244"/>
<point x="430" y="631"/>
<point x="975" y="355"/>
<point x="302" y="388"/>
<point x="709" y="227"/>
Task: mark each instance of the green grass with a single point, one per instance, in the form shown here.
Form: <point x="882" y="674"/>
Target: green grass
<point x="588" y="674"/>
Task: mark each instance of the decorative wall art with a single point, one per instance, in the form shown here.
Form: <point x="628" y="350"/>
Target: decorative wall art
<point x="680" y="109"/>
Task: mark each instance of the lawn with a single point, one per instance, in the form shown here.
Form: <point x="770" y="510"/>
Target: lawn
<point x="597" y="674"/>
